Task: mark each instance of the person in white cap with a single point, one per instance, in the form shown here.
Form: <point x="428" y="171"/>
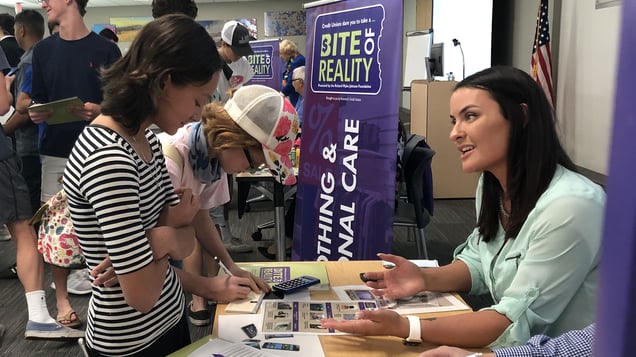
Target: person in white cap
<point x="234" y="46"/>
<point x="262" y="129"/>
<point x="256" y="126"/>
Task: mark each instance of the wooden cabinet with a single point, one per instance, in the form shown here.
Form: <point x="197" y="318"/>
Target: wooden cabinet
<point x="430" y="117"/>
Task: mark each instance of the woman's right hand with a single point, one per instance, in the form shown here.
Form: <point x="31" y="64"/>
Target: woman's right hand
<point x="227" y="288"/>
<point x="405" y="279"/>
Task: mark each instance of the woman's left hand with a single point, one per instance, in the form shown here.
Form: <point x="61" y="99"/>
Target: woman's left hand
<point x="371" y="323"/>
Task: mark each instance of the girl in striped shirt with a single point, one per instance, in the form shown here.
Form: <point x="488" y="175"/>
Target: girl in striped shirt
<point x="122" y="203"/>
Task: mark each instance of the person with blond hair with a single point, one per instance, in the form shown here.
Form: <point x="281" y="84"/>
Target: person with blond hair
<point x="228" y="139"/>
<point x="292" y="59"/>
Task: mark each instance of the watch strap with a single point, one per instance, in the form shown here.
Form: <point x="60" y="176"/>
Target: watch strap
<point x="415" y="331"/>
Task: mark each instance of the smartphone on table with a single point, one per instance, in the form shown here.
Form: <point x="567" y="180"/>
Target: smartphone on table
<point x="281" y="346"/>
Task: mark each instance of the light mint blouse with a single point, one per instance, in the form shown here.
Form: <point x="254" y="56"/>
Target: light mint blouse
<point x="544" y="280"/>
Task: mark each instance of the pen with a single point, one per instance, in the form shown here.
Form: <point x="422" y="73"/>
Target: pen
<point x="225" y="269"/>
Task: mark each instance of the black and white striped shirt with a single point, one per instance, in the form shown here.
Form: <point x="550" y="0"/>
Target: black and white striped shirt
<point x="114" y="196"/>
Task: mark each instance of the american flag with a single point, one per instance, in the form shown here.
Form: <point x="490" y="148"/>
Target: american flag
<point x="541" y="58"/>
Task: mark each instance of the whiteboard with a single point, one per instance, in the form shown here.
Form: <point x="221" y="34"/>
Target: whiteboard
<point x="418" y="49"/>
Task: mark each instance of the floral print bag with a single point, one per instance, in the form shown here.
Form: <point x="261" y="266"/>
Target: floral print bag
<point x="56" y="236"/>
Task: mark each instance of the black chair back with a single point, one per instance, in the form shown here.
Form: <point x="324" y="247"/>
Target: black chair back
<point x="418" y="179"/>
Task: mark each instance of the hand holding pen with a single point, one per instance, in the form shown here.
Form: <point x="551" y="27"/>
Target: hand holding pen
<point x="256" y="284"/>
<point x="230" y="287"/>
<point x="223" y="266"/>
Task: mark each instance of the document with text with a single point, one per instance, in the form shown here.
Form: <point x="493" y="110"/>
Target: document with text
<point x="424" y="302"/>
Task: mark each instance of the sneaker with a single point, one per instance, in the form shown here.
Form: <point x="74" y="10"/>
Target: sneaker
<point x="10" y="272"/>
<point x="198" y="318"/>
<point x="77" y="283"/>
<point x="51" y="331"/>
<point x="4" y="233"/>
<point x="235" y="245"/>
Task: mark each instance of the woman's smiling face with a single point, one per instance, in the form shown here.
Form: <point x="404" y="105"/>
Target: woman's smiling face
<point x="480" y="131"/>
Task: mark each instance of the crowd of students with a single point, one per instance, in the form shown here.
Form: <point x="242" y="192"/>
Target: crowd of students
<point x="138" y="209"/>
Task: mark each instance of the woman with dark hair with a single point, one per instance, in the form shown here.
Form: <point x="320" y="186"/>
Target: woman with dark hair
<point x="121" y="201"/>
<point x="535" y="248"/>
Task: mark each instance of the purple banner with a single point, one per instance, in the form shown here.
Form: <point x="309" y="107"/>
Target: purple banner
<point x="617" y="285"/>
<point x="346" y="186"/>
<point x="345" y="51"/>
<point x="266" y="63"/>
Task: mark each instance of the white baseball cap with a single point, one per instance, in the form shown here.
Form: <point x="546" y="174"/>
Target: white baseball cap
<point x="271" y="119"/>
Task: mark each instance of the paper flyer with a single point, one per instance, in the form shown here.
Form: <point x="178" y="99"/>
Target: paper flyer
<point x="304" y="316"/>
<point x="424" y="302"/>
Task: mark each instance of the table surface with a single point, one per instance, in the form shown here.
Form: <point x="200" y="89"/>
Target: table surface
<point x="348" y="273"/>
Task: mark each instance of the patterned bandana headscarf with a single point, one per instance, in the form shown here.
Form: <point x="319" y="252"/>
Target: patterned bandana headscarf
<point x="205" y="169"/>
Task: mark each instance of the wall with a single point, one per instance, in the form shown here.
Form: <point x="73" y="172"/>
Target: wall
<point x="587" y="80"/>
<point x="216" y="11"/>
<point x="409" y="23"/>
<point x="471" y="26"/>
<point x="587" y="47"/>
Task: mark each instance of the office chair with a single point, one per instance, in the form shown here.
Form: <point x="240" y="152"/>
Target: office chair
<point x="416" y="211"/>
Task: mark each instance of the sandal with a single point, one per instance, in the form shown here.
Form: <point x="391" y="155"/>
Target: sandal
<point x="68" y="320"/>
